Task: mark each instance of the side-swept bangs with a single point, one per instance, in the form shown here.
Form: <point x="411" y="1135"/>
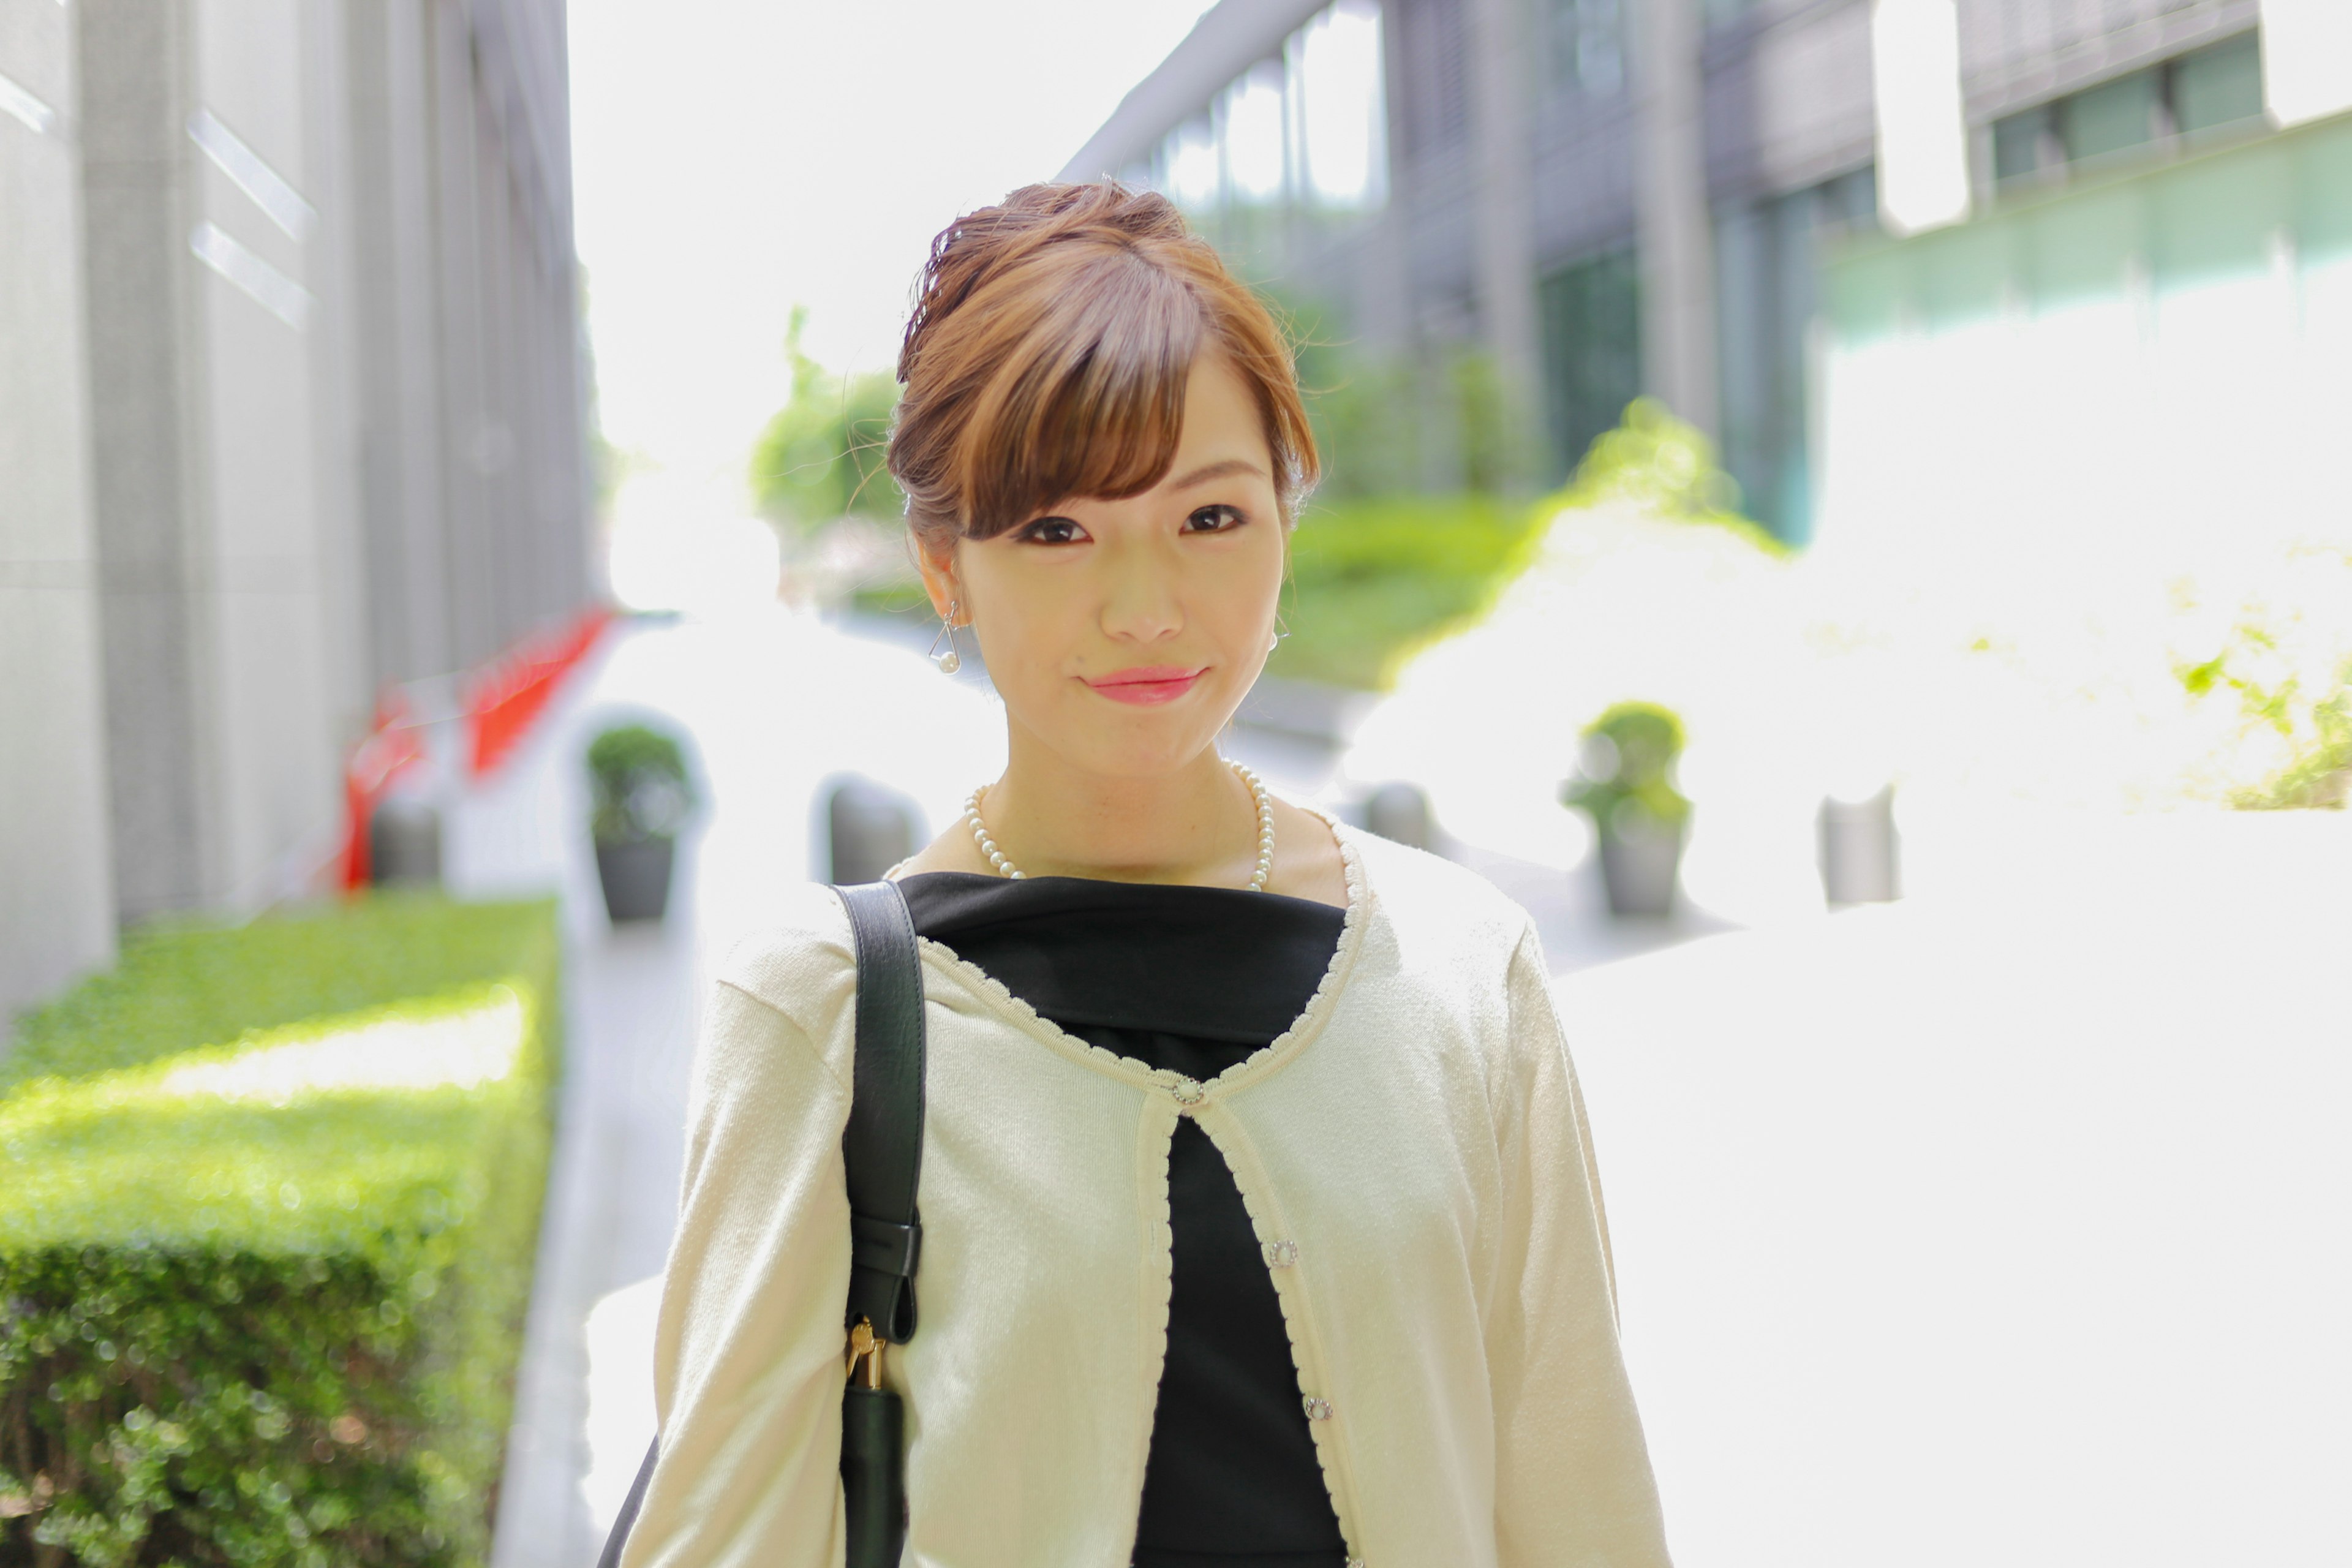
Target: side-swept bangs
<point x="1049" y="354"/>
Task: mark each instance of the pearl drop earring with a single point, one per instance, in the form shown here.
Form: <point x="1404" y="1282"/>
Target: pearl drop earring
<point x="950" y="661"/>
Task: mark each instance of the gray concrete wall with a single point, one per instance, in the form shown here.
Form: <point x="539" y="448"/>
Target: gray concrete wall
<point x="291" y="408"/>
<point x="268" y="635"/>
<point x="57" y="913"/>
<point x="226" y="695"/>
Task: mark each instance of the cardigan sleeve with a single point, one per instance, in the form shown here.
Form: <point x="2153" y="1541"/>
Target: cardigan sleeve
<point x="1573" y="1487"/>
<point x="748" y="1354"/>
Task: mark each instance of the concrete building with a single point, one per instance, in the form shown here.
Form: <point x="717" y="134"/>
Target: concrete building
<point x="1594" y="198"/>
<point x="291" y="407"/>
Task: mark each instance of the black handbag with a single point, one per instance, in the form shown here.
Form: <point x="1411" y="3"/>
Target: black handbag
<point x="883" y="1151"/>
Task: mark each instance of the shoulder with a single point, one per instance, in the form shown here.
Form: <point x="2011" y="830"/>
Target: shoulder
<point x="1437" y="910"/>
<point x="801" y="964"/>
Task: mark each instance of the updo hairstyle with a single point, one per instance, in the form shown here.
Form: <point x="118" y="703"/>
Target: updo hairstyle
<point x="1047" y="356"/>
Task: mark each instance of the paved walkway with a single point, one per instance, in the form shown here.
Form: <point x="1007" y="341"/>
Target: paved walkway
<point x="2007" y="1225"/>
<point x="2003" y="1224"/>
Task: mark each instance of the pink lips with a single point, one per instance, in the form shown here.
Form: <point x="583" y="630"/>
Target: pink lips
<point x="1148" y="684"/>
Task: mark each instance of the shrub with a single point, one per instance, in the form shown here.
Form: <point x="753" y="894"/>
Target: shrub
<point x="1666" y="468"/>
<point x="1627" y="769"/>
<point x="1374" y="579"/>
<point x="638" y="783"/>
<point x="821" y="455"/>
<point x="261" y="1300"/>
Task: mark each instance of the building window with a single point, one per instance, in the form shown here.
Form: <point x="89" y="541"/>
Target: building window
<point x="1306" y="129"/>
<point x="2111" y="118"/>
<point x="2218" y="89"/>
<point x="1767" y="265"/>
<point x="2178" y="103"/>
<point x="1592" y="350"/>
<point x="1584" y="45"/>
<point x="1343" y="137"/>
<point x="2024" y="144"/>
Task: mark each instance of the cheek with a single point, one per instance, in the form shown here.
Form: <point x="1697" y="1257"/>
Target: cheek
<point x="1246" y="590"/>
<point x="1031" y="619"/>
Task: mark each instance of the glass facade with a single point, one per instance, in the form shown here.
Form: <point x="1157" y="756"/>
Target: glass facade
<point x="1592" y="350"/>
<point x="1304" y="132"/>
<point x="2181" y="103"/>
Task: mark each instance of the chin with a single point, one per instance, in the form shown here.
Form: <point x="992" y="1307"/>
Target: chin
<point x="1146" y="750"/>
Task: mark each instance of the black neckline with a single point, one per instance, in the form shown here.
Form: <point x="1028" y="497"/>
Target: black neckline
<point x="1220" y="964"/>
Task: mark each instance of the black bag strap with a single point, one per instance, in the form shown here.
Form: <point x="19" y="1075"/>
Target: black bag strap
<point x="883" y="1144"/>
<point x="882" y="1147"/>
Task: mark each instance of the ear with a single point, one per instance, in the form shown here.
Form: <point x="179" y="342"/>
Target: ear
<point x="940" y="578"/>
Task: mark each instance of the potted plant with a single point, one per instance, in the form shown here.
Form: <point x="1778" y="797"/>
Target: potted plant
<point x="642" y="797"/>
<point x="1624" y="782"/>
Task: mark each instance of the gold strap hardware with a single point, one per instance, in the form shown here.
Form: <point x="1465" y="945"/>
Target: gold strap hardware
<point x="866" y="1346"/>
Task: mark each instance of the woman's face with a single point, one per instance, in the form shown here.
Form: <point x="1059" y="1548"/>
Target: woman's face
<point x="1123" y="634"/>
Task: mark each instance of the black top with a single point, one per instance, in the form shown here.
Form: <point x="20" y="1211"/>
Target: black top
<point x="1190" y="980"/>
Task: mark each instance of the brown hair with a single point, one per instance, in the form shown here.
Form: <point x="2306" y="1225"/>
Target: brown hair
<point x="1047" y="356"/>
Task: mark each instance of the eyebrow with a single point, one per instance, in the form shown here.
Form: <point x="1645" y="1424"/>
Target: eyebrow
<point x="1202" y="475"/>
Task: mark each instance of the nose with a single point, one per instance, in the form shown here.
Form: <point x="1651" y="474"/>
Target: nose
<point x="1140" y="604"/>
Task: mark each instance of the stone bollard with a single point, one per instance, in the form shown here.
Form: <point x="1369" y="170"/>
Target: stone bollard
<point x="1859" y="850"/>
<point x="1400" y="811"/>
<point x="870" y="830"/>
<point x="404" y="843"/>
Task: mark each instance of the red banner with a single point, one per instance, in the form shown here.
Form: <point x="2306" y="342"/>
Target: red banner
<point x="393" y="744"/>
<point x="504" y="700"/>
<point x="501" y="701"/>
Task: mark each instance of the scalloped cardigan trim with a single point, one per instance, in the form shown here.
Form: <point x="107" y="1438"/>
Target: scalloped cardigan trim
<point x="1413" y="1153"/>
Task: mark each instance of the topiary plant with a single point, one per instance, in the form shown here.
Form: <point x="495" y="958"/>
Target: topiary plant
<point x="639" y="784"/>
<point x="1626" y="777"/>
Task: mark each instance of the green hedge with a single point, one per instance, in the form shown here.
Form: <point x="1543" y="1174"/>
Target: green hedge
<point x="1375" y="578"/>
<point x="272" y="1201"/>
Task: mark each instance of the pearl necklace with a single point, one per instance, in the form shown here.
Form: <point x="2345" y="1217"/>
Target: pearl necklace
<point x="1005" y="868"/>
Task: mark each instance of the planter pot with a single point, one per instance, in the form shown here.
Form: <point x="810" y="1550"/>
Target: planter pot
<point x="1640" y="867"/>
<point x="404" y="843"/>
<point x="636" y="874"/>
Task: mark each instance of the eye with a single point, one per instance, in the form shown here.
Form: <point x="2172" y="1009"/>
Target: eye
<point x="1054" y="530"/>
<point x="1217" y="519"/>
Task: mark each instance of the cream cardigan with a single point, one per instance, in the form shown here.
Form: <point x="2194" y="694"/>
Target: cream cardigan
<point x="1414" y="1154"/>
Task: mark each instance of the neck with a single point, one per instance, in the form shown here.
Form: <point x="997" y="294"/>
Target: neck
<point x="1195" y="823"/>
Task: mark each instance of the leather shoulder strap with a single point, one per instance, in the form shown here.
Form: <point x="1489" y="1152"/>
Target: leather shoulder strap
<point x="883" y="1146"/>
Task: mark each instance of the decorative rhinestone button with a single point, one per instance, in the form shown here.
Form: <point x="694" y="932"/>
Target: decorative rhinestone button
<point x="1317" y="1409"/>
<point x="1281" y="1254"/>
<point x="1188" y="1091"/>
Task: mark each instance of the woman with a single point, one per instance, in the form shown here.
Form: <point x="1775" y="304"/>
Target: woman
<point x="1260" y="1221"/>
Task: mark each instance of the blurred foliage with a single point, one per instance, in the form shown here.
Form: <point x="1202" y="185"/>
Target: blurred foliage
<point x="638" y="784"/>
<point x="1378" y="577"/>
<point x="822" y="456"/>
<point x="2311" y="722"/>
<point x="1627" y="768"/>
<point x="1375" y="578"/>
<point x="1389" y="425"/>
<point x="278" y="1328"/>
<point x="1661" y="466"/>
<point x="900" y="596"/>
